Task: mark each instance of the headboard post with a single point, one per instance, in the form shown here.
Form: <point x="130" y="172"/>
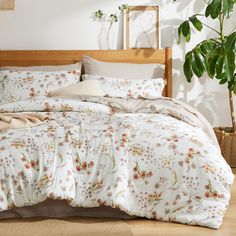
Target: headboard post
<point x="168" y="71"/>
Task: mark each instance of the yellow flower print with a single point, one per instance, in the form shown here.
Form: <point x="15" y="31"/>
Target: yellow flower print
<point x="76" y="144"/>
<point x="209" y="169"/>
<point x="166" y="162"/>
<point x="105" y="148"/>
<point x="66" y="107"/>
<point x="44" y="181"/>
<point x="27" y="79"/>
<point x="49" y="147"/>
<point x="97" y="185"/>
<point x="137" y="151"/>
<point x="154" y="197"/>
<point x="18" y="144"/>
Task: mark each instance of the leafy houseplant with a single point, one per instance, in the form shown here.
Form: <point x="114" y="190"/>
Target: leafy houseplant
<point x="215" y="56"/>
<point x="111" y="19"/>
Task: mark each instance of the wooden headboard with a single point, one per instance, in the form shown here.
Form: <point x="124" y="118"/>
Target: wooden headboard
<point x="61" y="57"/>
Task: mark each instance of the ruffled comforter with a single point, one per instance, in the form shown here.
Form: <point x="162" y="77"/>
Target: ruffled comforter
<point x="150" y="158"/>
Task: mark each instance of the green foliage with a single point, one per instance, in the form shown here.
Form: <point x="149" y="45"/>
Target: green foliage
<point x="217" y="7"/>
<point x="113" y="18"/>
<point x="185" y="30"/>
<point x="214" y="56"/>
<point x="123" y="7"/>
<point x="99" y="14"/>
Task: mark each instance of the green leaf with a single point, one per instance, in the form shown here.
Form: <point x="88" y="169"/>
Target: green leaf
<point x="231" y="84"/>
<point x="229" y="64"/>
<point x="223" y="81"/>
<point x="123" y="7"/>
<point x="196" y="23"/>
<point x="207" y="12"/>
<point x="234" y="79"/>
<point x="207" y="46"/>
<point x="99" y="14"/>
<point x="219" y="65"/>
<point x="179" y="33"/>
<point x="227" y="6"/>
<point x="113" y="18"/>
<point x="187" y="67"/>
<point x="186" y="30"/>
<point x="200" y="60"/>
<point x="197" y="69"/>
<point x="214" y="9"/>
<point x="211" y="62"/>
<point x="230" y="42"/>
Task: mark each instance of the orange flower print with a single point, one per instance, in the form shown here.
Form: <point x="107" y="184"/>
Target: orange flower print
<point x="139" y="174"/>
<point x="32" y="93"/>
<point x="192" y="153"/>
<point x="124" y="140"/>
<point x="47" y="107"/>
<point x="83" y="166"/>
<point x="129" y="94"/>
<point x="211" y="193"/>
<point x="30" y="164"/>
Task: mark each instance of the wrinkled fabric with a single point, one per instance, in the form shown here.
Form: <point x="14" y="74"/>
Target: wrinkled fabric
<point x="150" y="158"/>
<point x="15" y="121"/>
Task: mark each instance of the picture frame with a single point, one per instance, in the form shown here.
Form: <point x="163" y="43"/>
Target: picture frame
<point x="141" y="27"/>
<point x="6" y="5"/>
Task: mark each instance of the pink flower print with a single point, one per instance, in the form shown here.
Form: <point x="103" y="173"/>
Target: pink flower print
<point x="32" y="93"/>
<point x="138" y="174"/>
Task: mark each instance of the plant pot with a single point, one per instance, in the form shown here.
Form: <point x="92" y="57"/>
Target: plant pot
<point x="227" y="143"/>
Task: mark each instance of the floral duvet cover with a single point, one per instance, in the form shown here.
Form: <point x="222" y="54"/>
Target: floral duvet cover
<point x="157" y="159"/>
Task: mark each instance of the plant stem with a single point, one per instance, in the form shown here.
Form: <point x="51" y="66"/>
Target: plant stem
<point x="231" y="96"/>
<point x="221" y="18"/>
<point x="211" y="28"/>
<point x="109" y="30"/>
<point x="231" y="101"/>
<point x="108" y="35"/>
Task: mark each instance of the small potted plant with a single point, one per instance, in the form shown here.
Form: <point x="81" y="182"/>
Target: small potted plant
<point x="216" y="57"/>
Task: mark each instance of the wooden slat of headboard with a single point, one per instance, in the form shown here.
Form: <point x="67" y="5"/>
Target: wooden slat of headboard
<point x="32" y="58"/>
<point x="63" y="57"/>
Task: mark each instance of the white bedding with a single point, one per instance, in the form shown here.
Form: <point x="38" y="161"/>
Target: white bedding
<point x="151" y="158"/>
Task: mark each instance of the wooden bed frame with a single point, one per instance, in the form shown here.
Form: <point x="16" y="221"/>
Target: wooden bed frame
<point x="61" y="57"/>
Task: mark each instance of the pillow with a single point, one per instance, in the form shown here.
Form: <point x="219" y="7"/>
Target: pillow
<point x="122" y="70"/>
<point x="124" y="88"/>
<point x="76" y="66"/>
<point x="88" y="87"/>
<point x="22" y="85"/>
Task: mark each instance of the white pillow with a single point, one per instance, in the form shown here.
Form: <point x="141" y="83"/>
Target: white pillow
<point x="87" y="87"/>
<point x="122" y="70"/>
<point x="22" y="85"/>
<point x="124" y="88"/>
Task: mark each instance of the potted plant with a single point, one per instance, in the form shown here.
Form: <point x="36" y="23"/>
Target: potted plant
<point x="216" y="57"/>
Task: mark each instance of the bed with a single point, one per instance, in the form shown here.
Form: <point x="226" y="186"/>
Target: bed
<point x="111" y="156"/>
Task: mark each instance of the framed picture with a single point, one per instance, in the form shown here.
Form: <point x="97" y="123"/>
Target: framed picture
<point x="141" y="27"/>
<point x="7" y="5"/>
